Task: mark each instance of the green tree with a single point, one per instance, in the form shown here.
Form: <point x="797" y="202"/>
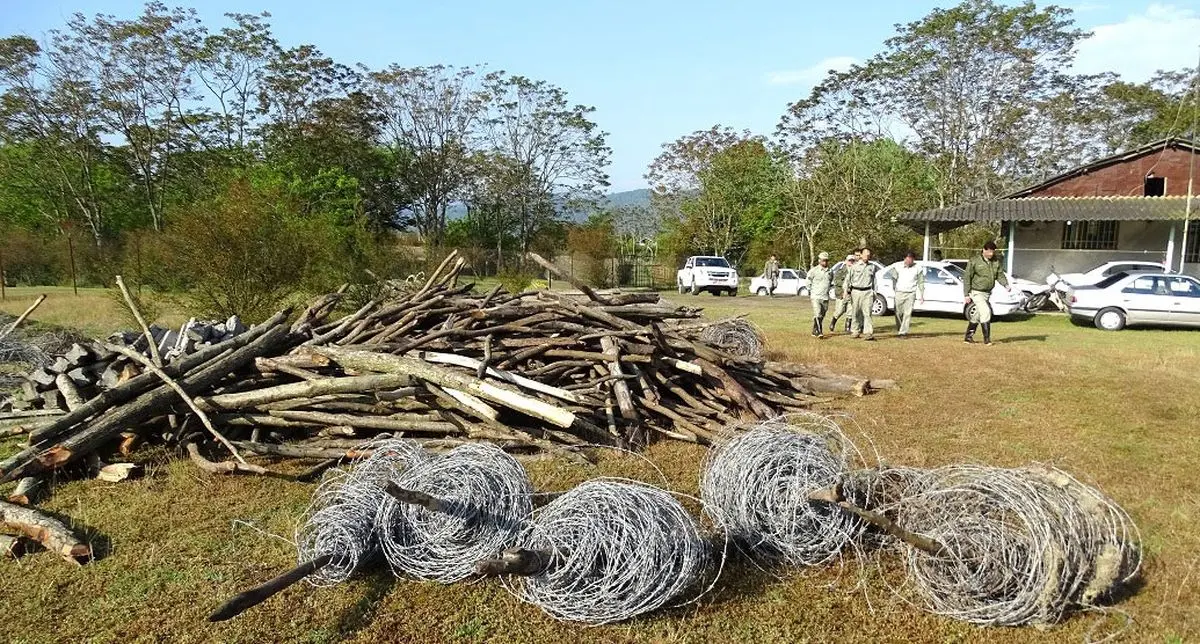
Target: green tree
<point x="968" y="86"/>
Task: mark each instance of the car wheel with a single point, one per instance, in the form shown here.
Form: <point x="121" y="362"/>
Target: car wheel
<point x="970" y="313"/>
<point x="1110" y="319"/>
<point x="803" y="292"/>
<point x="761" y="291"/>
<point x="878" y="306"/>
<point x="733" y="292"/>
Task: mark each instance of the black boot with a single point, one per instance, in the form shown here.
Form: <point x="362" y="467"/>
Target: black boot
<point x="820" y="327"/>
<point x="833" y="325"/>
<point x="969" y="338"/>
<point x="987" y="333"/>
<point x="816" y="330"/>
<point x="848" y="321"/>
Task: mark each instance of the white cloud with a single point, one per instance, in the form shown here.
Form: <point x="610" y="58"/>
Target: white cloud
<point x="812" y="74"/>
<point x="1163" y="36"/>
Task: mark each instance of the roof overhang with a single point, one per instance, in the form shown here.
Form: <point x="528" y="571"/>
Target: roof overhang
<point x="1053" y="209"/>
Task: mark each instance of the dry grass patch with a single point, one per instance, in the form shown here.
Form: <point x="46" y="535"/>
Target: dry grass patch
<point x="1115" y="408"/>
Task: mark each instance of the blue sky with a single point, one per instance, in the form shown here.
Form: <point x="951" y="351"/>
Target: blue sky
<point x="654" y="70"/>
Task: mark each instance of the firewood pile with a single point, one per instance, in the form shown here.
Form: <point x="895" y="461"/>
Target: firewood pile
<point x="537" y="373"/>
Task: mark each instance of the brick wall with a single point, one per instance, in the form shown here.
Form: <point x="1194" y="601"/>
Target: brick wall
<point x="1126" y="179"/>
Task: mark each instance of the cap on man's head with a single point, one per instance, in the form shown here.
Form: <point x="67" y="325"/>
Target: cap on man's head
<point x="851" y="258"/>
<point x="823" y="256"/>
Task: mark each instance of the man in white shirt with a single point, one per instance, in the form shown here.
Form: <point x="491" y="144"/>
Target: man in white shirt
<point x="909" y="281"/>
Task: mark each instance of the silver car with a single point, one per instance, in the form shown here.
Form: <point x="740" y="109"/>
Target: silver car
<point x="1124" y="299"/>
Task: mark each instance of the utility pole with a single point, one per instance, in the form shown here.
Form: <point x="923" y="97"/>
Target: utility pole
<point x="1187" y="209"/>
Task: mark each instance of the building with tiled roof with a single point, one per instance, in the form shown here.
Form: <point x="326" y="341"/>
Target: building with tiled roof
<point x="1128" y="206"/>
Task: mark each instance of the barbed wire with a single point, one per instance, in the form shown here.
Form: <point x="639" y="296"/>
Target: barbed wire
<point x="618" y="549"/>
<point x="340" y="520"/>
<point x="736" y="336"/>
<point x="757" y="480"/>
<point x="485" y="500"/>
<point x="1020" y="546"/>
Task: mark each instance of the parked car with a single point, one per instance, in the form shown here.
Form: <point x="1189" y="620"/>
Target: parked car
<point x="792" y="281"/>
<point x="944" y="292"/>
<point x="1107" y="269"/>
<point x="707" y="273"/>
<point x="1036" y="294"/>
<point x="1127" y="299"/>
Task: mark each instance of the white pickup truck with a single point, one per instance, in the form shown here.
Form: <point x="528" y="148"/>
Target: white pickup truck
<point x="705" y="273"/>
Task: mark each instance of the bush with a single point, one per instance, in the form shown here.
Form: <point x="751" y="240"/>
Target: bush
<point x="245" y="252"/>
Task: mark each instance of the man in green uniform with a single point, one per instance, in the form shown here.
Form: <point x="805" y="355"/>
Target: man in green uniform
<point x="820" y="280"/>
<point x="843" y="299"/>
<point x="860" y="285"/>
<point x="983" y="271"/>
<point x="771" y="272"/>
<point x="909" y="282"/>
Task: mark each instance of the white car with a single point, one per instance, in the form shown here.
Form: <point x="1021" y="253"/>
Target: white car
<point x="1126" y="299"/>
<point x="792" y="281"/>
<point x="1036" y="293"/>
<point x="1107" y="269"/>
<point x="944" y="292"/>
<point x="707" y="273"/>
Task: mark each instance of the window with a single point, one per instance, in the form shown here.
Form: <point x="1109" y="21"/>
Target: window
<point x="787" y="275"/>
<point x="1089" y="235"/>
<point x="1185" y="287"/>
<point x="712" y="262"/>
<point x="1154" y="186"/>
<point x="1191" y="255"/>
<point x="1143" y="286"/>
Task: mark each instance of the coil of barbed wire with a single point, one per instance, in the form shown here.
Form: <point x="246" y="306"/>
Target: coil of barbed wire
<point x="736" y="336"/>
<point x="340" y="520"/>
<point x="1017" y="546"/>
<point x="616" y="549"/>
<point x="483" y="498"/>
<point x="757" y="480"/>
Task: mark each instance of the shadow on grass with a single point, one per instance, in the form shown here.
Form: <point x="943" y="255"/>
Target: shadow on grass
<point x="378" y="584"/>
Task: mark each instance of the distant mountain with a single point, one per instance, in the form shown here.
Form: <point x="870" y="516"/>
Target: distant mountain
<point x="639" y="197"/>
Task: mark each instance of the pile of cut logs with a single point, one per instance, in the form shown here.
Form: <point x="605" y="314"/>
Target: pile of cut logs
<point x="538" y="372"/>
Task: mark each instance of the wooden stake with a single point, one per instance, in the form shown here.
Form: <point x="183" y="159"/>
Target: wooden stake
<point x="137" y="315"/>
<point x="16" y="323"/>
<point x="517" y="561"/>
<point x="246" y="600"/>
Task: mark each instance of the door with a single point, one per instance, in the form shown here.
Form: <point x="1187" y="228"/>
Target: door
<point x="1147" y="300"/>
<point x="789" y="282"/>
<point x="1185" y="301"/>
<point x="943" y="292"/>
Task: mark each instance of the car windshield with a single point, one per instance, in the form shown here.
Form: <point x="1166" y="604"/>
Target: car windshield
<point x="719" y="262"/>
<point x="954" y="270"/>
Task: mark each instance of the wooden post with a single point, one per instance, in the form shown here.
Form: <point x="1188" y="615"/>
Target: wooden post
<point x="3" y="294"/>
<point x="1012" y="244"/>
<point x="71" y="254"/>
<point x="925" y="244"/>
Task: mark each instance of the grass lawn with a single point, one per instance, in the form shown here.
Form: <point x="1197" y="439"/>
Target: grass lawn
<point x="1118" y="409"/>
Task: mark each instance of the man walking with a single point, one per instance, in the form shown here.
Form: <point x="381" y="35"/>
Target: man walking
<point x="983" y="271"/>
<point x="909" y="282"/>
<point x="820" y="280"/>
<point x="843" y="296"/>
<point x="860" y="285"/>
<point x="771" y="272"/>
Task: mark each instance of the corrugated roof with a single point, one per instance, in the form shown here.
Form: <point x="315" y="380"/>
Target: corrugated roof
<point x="1061" y="209"/>
<point x="1128" y="155"/>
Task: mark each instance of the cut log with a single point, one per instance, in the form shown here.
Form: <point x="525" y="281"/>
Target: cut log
<point x="368" y="361"/>
<point x="307" y="389"/>
<point x="261" y="593"/>
<point x="51" y="533"/>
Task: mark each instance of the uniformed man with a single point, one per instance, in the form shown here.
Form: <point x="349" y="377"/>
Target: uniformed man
<point x="771" y="272"/>
<point x="909" y="282"/>
<point x="983" y="271"/>
<point x="860" y="286"/>
<point x="820" y="281"/>
<point x="843" y="297"/>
